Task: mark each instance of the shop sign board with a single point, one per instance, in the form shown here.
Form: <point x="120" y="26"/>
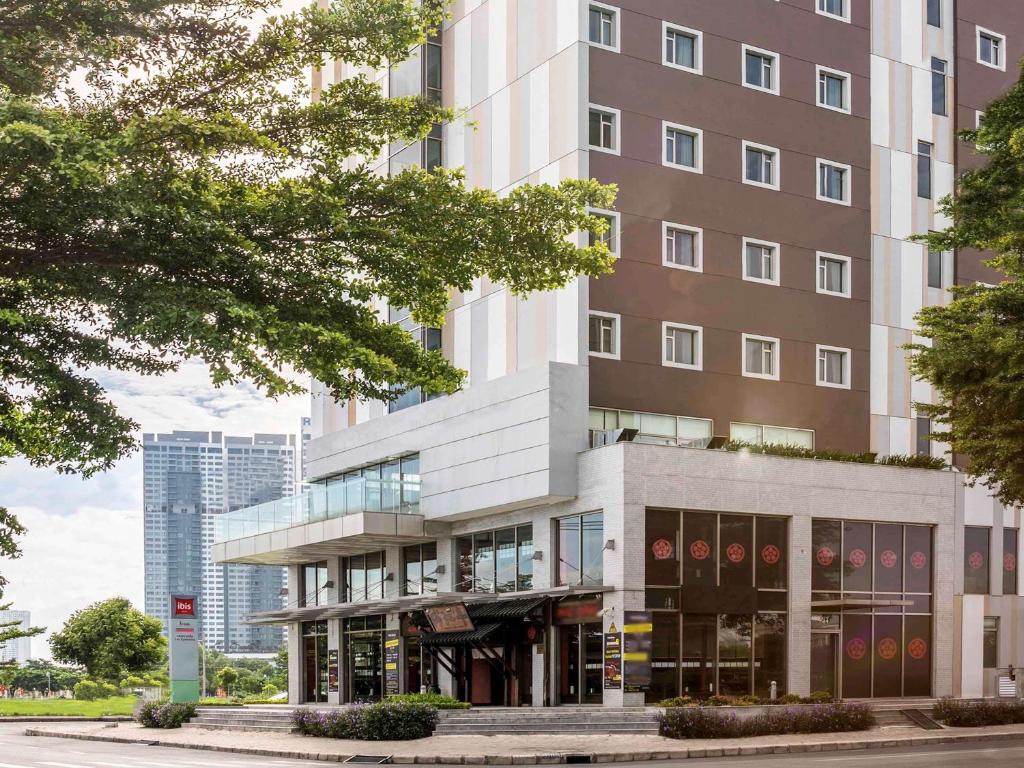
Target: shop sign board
<point x="449" y="618"/>
<point x="392" y="655"/>
<point x="332" y="670"/>
<point x="637" y="639"/>
<point x="184" y="648"/>
<point x="612" y="659"/>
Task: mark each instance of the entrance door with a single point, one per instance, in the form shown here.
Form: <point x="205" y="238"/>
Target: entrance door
<point x="823" y="662"/>
<point x="310" y="668"/>
<point x="581" y="664"/>
<point x="366" y="666"/>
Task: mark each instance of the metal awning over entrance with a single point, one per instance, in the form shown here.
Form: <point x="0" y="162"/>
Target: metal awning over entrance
<point x="453" y="639"/>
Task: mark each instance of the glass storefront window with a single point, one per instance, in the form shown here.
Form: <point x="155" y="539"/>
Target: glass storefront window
<point x="976" y="560"/>
<point x="917" y="656"/>
<point x="524" y="544"/>
<point x="888" y="661"/>
<point x="505" y="560"/>
<point x="990" y="643"/>
<point x="592" y="556"/>
<point x="664" y="657"/>
<point x="581" y="550"/>
<point x="494" y="561"/>
<point x="857" y="556"/>
<point x="314" y="584"/>
<point x="464" y="564"/>
<point x="698" y="658"/>
<point x="483" y="562"/>
<point x="661" y="548"/>
<point x="420" y="569"/>
<point x="736" y="540"/>
<point x="826" y="574"/>
<point x="856" y="650"/>
<point x="888" y="558"/>
<point x="364" y="577"/>
<point x="918" y="561"/>
<point x="771" y="549"/>
<point x="734" y="635"/>
<point x="569" y="551"/>
<point x="1010" y="545"/>
<point x="700" y="543"/>
<point x="769" y="653"/>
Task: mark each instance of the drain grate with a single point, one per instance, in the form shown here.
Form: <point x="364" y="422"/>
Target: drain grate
<point x="578" y="759"/>
<point x="370" y="759"/>
<point x="921" y="720"/>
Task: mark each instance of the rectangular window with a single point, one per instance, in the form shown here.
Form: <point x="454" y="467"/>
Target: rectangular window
<point x="505" y="560"/>
<point x="524" y="544"/>
<point x="682" y="48"/>
<point x="990" y="643"/>
<point x="581" y="550"/>
<point x="760" y="165"/>
<point x="604" y="129"/>
<point x="833" y="367"/>
<point x="760" y="69"/>
<point x="935" y="270"/>
<point x="834" y="274"/>
<point x="836" y="8"/>
<point x="682" y="346"/>
<point x="760" y="357"/>
<point x="314" y="584"/>
<point x="833" y="89"/>
<point x="935" y="13"/>
<point x="990" y="49"/>
<point x="682" y="147"/>
<point x="924" y="430"/>
<point x="493" y="561"/>
<point x="603" y="26"/>
<point x="938" y="86"/>
<point x="924" y="169"/>
<point x="761" y="261"/>
<point x="833" y="182"/>
<point x="1010" y="549"/>
<point x="976" y="560"/>
<point x="610" y="235"/>
<point x="604" y="335"/>
<point x="682" y="246"/>
<point x="420" y="569"/>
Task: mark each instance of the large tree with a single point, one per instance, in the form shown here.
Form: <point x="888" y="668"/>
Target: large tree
<point x="111" y="640"/>
<point x="10" y="528"/>
<point x="170" y="189"/>
<point x="974" y="353"/>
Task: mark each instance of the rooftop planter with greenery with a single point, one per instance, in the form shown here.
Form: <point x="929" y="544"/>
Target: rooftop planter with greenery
<point x="825" y="454"/>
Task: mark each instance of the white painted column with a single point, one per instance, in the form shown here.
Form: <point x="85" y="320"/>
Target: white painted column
<point x="798" y="642"/>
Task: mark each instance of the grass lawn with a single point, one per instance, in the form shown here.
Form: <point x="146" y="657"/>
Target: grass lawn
<point x="116" y="705"/>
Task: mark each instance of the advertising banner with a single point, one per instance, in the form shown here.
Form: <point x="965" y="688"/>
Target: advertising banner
<point x="392" y="657"/>
<point x="183" y="648"/>
<point x="612" y="659"/>
<point x="637" y="638"/>
<point x="332" y="670"/>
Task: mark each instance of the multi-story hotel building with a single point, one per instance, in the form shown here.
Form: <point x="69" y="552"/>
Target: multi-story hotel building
<point x="774" y="159"/>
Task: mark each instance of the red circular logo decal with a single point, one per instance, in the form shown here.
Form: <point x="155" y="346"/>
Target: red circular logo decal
<point x="1010" y="561"/>
<point x="888" y="558"/>
<point x="825" y="556"/>
<point x="662" y="549"/>
<point x="700" y="550"/>
<point x="919" y="560"/>
<point x="917" y="648"/>
<point x="976" y="561"/>
<point x="736" y="553"/>
<point x="771" y="554"/>
<point x="857" y="558"/>
<point x="887" y="648"/>
<point x="856" y="649"/>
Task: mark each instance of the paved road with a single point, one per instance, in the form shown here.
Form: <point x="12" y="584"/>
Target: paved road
<point x="19" y="751"/>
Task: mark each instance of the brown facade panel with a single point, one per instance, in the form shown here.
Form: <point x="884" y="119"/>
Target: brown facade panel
<point x="645" y="293"/>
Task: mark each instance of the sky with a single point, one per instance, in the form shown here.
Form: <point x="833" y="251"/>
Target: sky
<point x="84" y="540"/>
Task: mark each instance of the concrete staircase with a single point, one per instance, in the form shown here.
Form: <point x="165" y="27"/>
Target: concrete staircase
<point x="892" y="712"/>
<point x="266" y="718"/>
<point x="492" y="721"/>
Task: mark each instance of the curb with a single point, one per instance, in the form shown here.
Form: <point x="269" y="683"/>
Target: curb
<point x="65" y="719"/>
<point x="557" y="759"/>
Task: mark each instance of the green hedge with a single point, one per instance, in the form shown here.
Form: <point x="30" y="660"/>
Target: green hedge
<point x="162" y="714"/>
<point x="436" y="700"/>
<point x="384" y="721"/>
<point x="818" y="697"/>
<point x="797" y="452"/>
<point x="974" y="714"/>
<point x="91" y="690"/>
<point x="706" y="723"/>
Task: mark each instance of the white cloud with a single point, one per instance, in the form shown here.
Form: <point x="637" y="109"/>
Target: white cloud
<point x="84" y="540"/>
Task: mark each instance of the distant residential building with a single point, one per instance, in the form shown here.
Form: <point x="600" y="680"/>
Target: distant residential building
<point x="18" y="650"/>
<point x="190" y="478"/>
<point x="305" y="434"/>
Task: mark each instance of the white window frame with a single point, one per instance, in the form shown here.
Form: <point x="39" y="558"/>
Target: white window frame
<point x="979" y="31"/>
<point x="616" y="229"/>
<point x="847" y="366"/>
<point x="847" y="89"/>
<point x="616" y="27"/>
<point x="845" y="16"/>
<point x="776" y="69"/>
<point x="776" y="357"/>
<point x="698" y="156"/>
<point x="616" y="129"/>
<point x="698" y="38"/>
<point x="698" y="346"/>
<point x="617" y="355"/>
<point x="698" y="253"/>
<point x="848" y="274"/>
<point x="776" y="165"/>
<point x="848" y="187"/>
<point x="776" y="260"/>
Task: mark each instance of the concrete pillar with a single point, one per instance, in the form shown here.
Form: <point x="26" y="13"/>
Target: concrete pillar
<point x="294" y="663"/>
<point x="798" y="642"/>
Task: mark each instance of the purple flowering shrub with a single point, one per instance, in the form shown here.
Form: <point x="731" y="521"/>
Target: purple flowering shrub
<point x="706" y="723"/>
<point x="384" y="721"/>
<point x="156" y="714"/>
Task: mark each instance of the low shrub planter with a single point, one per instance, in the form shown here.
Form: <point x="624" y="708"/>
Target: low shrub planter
<point x="818" y="697"/>
<point x="163" y="714"/>
<point x="739" y="722"/>
<point x="437" y="700"/>
<point x="957" y="713"/>
<point x="384" y="721"/>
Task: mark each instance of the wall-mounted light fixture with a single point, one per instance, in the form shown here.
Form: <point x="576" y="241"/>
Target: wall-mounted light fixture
<point x="538" y="555"/>
<point x="440" y="570"/>
<point x="329" y="584"/>
<point x="610" y="545"/>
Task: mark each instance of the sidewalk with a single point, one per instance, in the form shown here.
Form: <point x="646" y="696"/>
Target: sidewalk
<point x="519" y="750"/>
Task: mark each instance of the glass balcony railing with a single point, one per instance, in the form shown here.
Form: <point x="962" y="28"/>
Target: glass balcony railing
<point x="321" y="502"/>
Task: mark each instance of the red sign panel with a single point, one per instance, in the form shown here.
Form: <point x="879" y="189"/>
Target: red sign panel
<point x="184" y="606"/>
<point x="449" y="618"/>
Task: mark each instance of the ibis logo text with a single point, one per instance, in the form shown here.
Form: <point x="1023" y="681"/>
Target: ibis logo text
<point x="184" y="606"/>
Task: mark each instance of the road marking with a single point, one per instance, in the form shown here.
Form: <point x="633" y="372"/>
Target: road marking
<point x="61" y="765"/>
<point x="911" y="755"/>
<point x="10" y="765"/>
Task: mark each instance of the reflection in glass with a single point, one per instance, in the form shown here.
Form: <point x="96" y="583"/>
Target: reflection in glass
<point x="700" y="542"/>
<point x="593" y="550"/>
<point x="736" y="539"/>
<point x="569" y="551"/>
<point x="699" y="654"/>
<point x="857" y="556"/>
<point x="483" y="562"/>
<point x="771" y="552"/>
<point x="524" y="537"/>
<point x="734" y="655"/>
<point x="976" y="560"/>
<point x="505" y="560"/>
<point x="769" y="653"/>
